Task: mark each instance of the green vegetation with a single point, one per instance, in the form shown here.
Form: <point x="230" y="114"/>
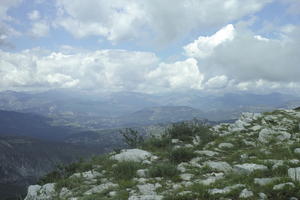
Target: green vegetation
<point x="125" y="170"/>
<point x="181" y="155"/>
<point x="132" y="137"/>
<point x="164" y="169"/>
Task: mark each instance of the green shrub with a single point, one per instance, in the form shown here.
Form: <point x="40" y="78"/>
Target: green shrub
<point x="154" y="143"/>
<point x="132" y="137"/>
<point x="166" y="170"/>
<point x="181" y="155"/>
<point x="125" y="170"/>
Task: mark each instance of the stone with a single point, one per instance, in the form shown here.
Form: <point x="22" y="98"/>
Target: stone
<point x="264" y="181"/>
<point x="297" y="150"/>
<point x="211" y="178"/>
<point x="225" y="145"/>
<point x="145" y="197"/>
<point x="219" y="166"/>
<point x="294" y="173"/>
<point x="262" y="196"/>
<point x="248" y="168"/>
<point x="246" y="193"/>
<point x="226" y="189"/>
<point x="141" y="172"/>
<point x="283" y="185"/>
<point x="186" y="177"/>
<point x="32" y="192"/>
<point x="135" y="155"/>
<point x="207" y="153"/>
<point x="100" y="188"/>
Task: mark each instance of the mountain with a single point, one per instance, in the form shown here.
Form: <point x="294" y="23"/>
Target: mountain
<point x="256" y="157"/>
<point x="24" y="160"/>
<point x="83" y="109"/>
<point x="32" y="125"/>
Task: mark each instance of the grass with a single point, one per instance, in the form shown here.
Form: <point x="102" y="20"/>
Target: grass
<point x="165" y="169"/>
<point x="181" y="155"/>
<point x="125" y="170"/>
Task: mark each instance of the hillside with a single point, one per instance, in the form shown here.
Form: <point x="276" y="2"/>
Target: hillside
<point x="257" y="157"/>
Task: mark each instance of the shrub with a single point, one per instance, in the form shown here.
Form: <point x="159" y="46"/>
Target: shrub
<point x="154" y="143"/>
<point x="181" y="155"/>
<point x="125" y="170"/>
<point x="166" y="170"/>
<point x="132" y="137"/>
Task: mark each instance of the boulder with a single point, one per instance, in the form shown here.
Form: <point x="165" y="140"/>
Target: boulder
<point x="219" y="166"/>
<point x="135" y="155"/>
<point x="294" y="173"/>
<point x="248" y="168"/>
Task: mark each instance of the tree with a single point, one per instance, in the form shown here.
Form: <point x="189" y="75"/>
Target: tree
<point x="132" y="137"/>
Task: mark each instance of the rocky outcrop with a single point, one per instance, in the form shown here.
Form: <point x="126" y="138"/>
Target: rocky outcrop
<point x="257" y="157"/>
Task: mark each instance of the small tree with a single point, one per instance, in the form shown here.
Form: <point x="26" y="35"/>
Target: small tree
<point x="132" y="137"/>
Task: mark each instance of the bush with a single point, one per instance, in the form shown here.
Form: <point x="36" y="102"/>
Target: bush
<point x="154" y="143"/>
<point x="181" y="155"/>
<point x="166" y="170"/>
<point x="125" y="170"/>
<point x="132" y="137"/>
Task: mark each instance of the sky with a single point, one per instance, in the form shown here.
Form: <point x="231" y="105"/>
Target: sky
<point x="150" y="46"/>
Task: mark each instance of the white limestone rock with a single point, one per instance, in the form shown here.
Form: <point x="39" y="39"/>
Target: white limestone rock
<point x="294" y="173"/>
<point x="246" y="194"/>
<point x="283" y="185"/>
<point x="186" y="177"/>
<point x="100" y="188"/>
<point x="135" y="155"/>
<point x="248" y="168"/>
<point x="297" y="150"/>
<point x="145" y="197"/>
<point x="264" y="181"/>
<point x="45" y="192"/>
<point x="211" y="178"/>
<point x="219" y="166"/>
<point x="225" y="145"/>
<point x="225" y="190"/>
<point x="207" y="153"/>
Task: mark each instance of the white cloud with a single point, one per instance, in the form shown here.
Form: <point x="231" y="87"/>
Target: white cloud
<point x="247" y="61"/>
<point x="203" y="46"/>
<point x="34" y="15"/>
<point x="39" y="29"/>
<point x="179" y="75"/>
<point x="158" y="20"/>
<point x="99" y="70"/>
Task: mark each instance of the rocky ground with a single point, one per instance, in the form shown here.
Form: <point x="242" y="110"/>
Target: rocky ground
<point x="257" y="157"/>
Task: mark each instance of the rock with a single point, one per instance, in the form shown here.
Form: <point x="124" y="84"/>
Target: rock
<point x="175" y="141"/>
<point x="262" y="196"/>
<point x="294" y="173"/>
<point x="186" y="177"/>
<point x="141" y="172"/>
<point x="65" y="192"/>
<point x="207" y="153"/>
<point x="135" y="155"/>
<point x="219" y="166"/>
<point x="256" y="128"/>
<point x="246" y="194"/>
<point x="267" y="134"/>
<point x="264" y="181"/>
<point x="88" y="175"/>
<point x="283" y="185"/>
<point x="225" y="190"/>
<point x="45" y="192"/>
<point x="297" y="150"/>
<point x="145" y="197"/>
<point x="148" y="189"/>
<point x="248" y="168"/>
<point x="32" y="192"/>
<point x="100" y="188"/>
<point x="225" y="145"/>
<point x="211" y="178"/>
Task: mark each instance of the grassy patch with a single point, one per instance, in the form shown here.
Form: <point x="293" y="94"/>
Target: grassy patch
<point x="181" y="155"/>
<point x="166" y="170"/>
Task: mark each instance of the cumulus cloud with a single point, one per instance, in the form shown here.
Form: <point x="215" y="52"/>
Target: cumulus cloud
<point x="162" y="21"/>
<point x="248" y="56"/>
<point x="175" y="76"/>
<point x="99" y="70"/>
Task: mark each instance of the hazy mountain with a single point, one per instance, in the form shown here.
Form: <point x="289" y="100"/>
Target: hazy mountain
<point x="24" y="160"/>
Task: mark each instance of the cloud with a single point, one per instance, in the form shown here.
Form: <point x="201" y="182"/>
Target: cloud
<point x="175" y="76"/>
<point x="34" y="15"/>
<point x="110" y="70"/>
<point x="39" y="29"/>
<point x="250" y="57"/>
<point x="203" y="46"/>
<point x="161" y="21"/>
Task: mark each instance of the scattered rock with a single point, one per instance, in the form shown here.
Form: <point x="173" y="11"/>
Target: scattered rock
<point x="219" y="166"/>
<point x="294" y="173"/>
<point x="248" y="168"/>
<point x="136" y="155"/>
<point x="283" y="185"/>
<point x="225" y="145"/>
<point x="246" y="194"/>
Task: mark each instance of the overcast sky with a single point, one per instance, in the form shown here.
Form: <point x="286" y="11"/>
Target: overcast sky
<point x="151" y="46"/>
